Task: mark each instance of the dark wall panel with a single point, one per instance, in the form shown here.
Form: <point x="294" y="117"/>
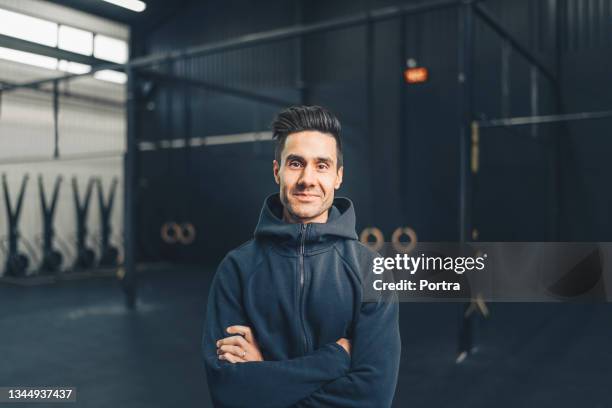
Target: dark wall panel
<point x="430" y="165"/>
<point x="586" y="168"/>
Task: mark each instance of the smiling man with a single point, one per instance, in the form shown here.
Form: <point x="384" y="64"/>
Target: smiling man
<point x="286" y="323"/>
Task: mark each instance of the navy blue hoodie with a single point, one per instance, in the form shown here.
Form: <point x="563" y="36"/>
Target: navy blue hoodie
<point x="299" y="288"/>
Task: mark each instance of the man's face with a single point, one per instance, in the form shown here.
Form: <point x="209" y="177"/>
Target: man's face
<point x="308" y="175"/>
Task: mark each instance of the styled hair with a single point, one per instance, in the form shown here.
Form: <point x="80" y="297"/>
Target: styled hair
<point x="300" y="118"/>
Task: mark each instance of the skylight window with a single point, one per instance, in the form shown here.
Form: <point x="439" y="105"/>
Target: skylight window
<point x="110" y="49"/>
<point x="134" y="5"/>
<point x="111" y="76"/>
<point x="64" y="37"/>
<point x="28" y="28"/>
<point x="73" y="67"/>
<point x="28" y="58"/>
<point x="75" y="40"/>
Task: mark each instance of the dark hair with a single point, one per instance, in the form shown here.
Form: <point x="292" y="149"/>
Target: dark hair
<point x="300" y="118"/>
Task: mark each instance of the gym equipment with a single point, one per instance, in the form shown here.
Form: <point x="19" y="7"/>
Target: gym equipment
<point x="188" y="233"/>
<point x="52" y="258"/>
<point x="372" y="232"/>
<point x="85" y="256"/>
<point x="108" y="253"/>
<point x="171" y="233"/>
<point x="16" y="262"/>
<point x="400" y="246"/>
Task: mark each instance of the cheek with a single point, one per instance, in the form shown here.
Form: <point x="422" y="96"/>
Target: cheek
<point x="328" y="182"/>
<point x="286" y="178"/>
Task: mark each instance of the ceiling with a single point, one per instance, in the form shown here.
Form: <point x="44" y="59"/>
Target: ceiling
<point x="156" y="13"/>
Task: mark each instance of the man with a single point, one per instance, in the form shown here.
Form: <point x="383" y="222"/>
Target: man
<point x="286" y="325"/>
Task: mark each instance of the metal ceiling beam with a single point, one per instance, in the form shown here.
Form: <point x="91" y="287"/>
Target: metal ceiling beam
<point x="53" y="52"/>
<point x="240" y="93"/>
<point x="77" y="96"/>
<point x="537" y="120"/>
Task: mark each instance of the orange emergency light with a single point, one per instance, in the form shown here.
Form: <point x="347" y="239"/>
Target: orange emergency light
<point x="416" y="75"/>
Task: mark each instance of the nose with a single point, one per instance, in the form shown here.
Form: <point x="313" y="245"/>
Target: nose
<point x="307" y="177"/>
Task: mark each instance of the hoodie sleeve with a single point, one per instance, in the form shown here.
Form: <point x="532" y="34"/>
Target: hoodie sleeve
<point x="375" y="358"/>
<point x="267" y="383"/>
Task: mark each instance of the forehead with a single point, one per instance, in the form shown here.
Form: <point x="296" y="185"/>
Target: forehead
<point x="310" y="144"/>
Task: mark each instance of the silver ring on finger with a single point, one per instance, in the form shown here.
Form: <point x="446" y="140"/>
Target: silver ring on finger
<point x="243" y="353"/>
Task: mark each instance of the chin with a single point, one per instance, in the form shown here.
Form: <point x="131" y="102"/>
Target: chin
<point x="306" y="211"/>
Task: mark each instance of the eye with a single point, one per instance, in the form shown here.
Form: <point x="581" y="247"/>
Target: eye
<point x="295" y="164"/>
<point x="323" y="166"/>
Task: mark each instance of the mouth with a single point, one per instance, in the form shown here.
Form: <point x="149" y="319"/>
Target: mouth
<point x="306" y="197"/>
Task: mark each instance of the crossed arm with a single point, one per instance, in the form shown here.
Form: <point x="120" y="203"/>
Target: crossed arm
<point x="241" y="346"/>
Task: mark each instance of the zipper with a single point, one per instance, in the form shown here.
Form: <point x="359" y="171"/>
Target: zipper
<point x="303" y="228"/>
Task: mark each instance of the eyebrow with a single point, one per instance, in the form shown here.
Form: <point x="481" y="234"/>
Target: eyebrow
<point x="322" y="159"/>
<point x="327" y="160"/>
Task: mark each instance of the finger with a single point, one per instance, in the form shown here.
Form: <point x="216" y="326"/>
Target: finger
<point x="235" y="350"/>
<point x="231" y="358"/>
<point x="233" y="341"/>
<point x="243" y="331"/>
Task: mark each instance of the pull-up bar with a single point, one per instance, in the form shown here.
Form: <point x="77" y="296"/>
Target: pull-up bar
<point x="536" y="120"/>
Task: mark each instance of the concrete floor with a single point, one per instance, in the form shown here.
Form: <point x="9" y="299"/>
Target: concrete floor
<point x="79" y="333"/>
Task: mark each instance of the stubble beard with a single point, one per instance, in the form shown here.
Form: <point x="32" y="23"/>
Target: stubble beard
<point x="307" y="214"/>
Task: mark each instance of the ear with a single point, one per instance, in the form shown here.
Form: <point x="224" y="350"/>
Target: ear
<point x="275" y="169"/>
<point x="339" y="176"/>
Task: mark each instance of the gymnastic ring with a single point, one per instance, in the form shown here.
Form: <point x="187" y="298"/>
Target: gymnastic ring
<point x="189" y="238"/>
<point x="398" y="245"/>
<point x="165" y="232"/>
<point x="376" y="233"/>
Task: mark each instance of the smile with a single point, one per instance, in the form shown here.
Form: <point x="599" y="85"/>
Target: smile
<point x="305" y="197"/>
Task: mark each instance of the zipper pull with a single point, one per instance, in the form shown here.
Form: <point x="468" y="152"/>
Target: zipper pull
<point x="303" y="237"/>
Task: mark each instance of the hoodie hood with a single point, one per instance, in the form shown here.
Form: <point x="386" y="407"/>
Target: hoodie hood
<point x="340" y="223"/>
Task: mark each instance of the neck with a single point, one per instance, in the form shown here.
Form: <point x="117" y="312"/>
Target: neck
<point x="292" y="219"/>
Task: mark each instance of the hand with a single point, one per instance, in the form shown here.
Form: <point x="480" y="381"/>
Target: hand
<point x="346" y="344"/>
<point x="239" y="348"/>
